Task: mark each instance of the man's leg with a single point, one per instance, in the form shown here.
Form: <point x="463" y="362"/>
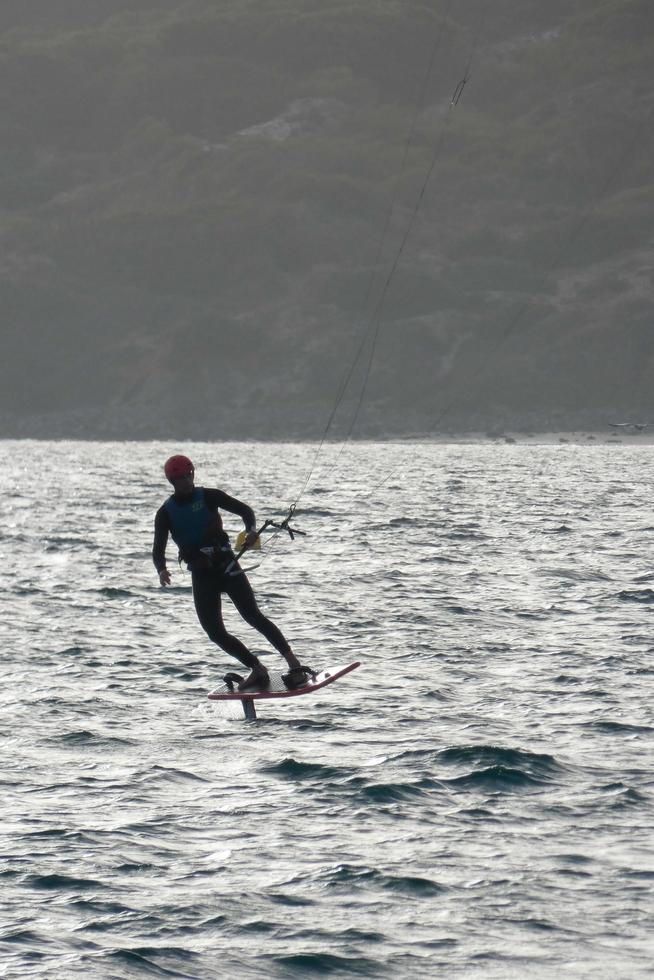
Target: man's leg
<point x="206" y="596"/>
<point x="240" y="592"/>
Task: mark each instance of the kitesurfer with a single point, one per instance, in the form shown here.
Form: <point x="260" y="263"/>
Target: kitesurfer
<point x="191" y="515"/>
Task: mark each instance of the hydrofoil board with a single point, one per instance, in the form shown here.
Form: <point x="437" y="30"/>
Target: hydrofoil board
<point x="277" y="689"/>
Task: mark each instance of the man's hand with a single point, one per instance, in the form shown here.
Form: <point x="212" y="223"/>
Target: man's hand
<point x="251" y="539"/>
<point x="164" y="577"/>
<point x="248" y="539"/>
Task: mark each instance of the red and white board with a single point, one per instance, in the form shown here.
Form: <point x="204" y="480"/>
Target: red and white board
<point x="277" y="688"/>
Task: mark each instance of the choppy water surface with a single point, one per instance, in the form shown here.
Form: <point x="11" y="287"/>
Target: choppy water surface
<point x="476" y="800"/>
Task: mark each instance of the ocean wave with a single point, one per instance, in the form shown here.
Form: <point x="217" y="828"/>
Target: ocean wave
<point x="65" y="543"/>
<point x="619" y="727"/>
<point x="143" y="960"/>
<point x="110" y="592"/>
<point x="85" y="737"/>
<point x="170" y="774"/>
<point x="496" y="778"/>
<point x="620" y="795"/>
<point x="636" y="595"/>
<point x="499" y="769"/>
<point x="322" y="964"/>
<point x="61" y="882"/>
<point x="292" y="769"/>
<point x="395" y="792"/>
<point x="496" y="755"/>
<point x="351" y="875"/>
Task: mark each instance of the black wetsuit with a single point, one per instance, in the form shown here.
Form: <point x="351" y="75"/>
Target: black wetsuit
<point x="209" y="578"/>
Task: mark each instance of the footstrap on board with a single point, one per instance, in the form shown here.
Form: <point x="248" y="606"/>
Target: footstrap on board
<point x="231" y="679"/>
<point x="298" y="677"/>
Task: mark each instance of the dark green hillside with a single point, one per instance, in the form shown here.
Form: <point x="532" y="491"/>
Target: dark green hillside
<point x="193" y="194"/>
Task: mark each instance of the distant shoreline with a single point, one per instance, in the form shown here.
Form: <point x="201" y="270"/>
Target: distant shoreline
<point x="576" y="438"/>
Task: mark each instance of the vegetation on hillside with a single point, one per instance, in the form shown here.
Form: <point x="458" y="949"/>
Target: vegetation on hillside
<point x="192" y="195"/>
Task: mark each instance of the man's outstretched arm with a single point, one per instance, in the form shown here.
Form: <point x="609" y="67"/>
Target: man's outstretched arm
<point x="161" y="529"/>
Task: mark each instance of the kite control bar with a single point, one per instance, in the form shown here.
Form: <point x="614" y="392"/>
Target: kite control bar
<point x="285" y="525"/>
<point x="281" y="526"/>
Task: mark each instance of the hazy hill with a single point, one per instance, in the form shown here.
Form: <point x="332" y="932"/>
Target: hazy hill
<point x="200" y="203"/>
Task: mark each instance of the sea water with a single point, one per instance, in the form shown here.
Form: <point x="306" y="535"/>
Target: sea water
<point x="475" y="801"/>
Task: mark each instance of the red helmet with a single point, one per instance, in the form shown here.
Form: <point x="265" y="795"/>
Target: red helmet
<point x="178" y="466"/>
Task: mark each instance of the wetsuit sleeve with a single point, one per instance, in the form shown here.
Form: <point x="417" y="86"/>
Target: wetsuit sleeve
<point x="161" y="530"/>
<point x="218" y="498"/>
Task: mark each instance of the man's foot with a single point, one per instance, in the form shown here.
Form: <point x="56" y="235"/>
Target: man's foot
<point x="257" y="680"/>
<point x="291" y="660"/>
<point x="298" y="677"/>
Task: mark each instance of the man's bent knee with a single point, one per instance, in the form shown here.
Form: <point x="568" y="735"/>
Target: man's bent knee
<point x="220" y="637"/>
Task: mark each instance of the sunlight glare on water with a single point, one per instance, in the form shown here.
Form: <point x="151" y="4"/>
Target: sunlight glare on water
<point x="475" y="800"/>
